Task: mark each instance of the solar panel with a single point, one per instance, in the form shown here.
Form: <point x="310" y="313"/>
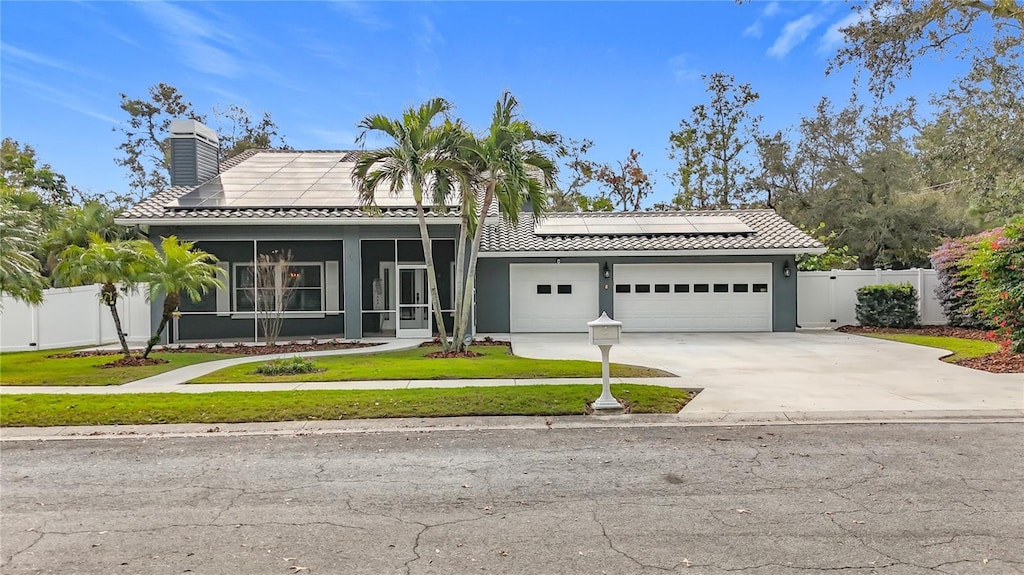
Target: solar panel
<point x="288" y="179"/>
<point x="638" y="225"/>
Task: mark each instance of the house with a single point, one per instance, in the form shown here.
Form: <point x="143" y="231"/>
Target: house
<point x="357" y="273"/>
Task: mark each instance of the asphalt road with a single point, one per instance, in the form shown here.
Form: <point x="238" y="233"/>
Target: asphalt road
<point x="857" y="499"/>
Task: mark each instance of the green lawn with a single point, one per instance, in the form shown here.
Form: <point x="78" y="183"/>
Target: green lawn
<point x="496" y="363"/>
<point x="243" y="406"/>
<point x="960" y="348"/>
<point x="38" y="368"/>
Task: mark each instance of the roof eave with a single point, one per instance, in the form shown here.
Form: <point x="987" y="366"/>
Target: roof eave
<point x="680" y="252"/>
<point x="319" y="221"/>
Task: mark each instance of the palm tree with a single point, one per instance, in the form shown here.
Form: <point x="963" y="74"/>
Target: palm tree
<point x="178" y="268"/>
<point x="422" y="153"/>
<point x="74" y="228"/>
<point x="111" y="264"/>
<point x="510" y="165"/>
<point x="20" y="275"/>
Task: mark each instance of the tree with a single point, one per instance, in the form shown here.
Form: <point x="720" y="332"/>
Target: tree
<point x="118" y="266"/>
<point x="178" y="268"/>
<point x="857" y="173"/>
<point x="146" y="148"/>
<point x="974" y="148"/>
<point x="20" y="274"/>
<point x="572" y="197"/>
<point x="710" y="147"/>
<point x="512" y="166"/>
<point x="74" y="229"/>
<point x="422" y="153"/>
<point x="627" y="186"/>
<point x="886" y="37"/>
<point x="19" y="171"/>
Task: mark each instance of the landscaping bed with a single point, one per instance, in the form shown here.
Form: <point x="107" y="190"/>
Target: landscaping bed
<point x="995" y="358"/>
<point x="235" y="348"/>
<point x="36" y="410"/>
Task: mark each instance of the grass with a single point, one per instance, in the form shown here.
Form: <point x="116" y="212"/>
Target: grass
<point x="240" y="406"/>
<point x="38" y="368"/>
<point x="496" y="363"/>
<point x="960" y="348"/>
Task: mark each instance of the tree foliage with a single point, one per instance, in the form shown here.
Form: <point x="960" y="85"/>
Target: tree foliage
<point x="626" y="186"/>
<point x="886" y="37"/>
<point x="711" y="144"/>
<point x="20" y="273"/>
<point x="145" y="151"/>
<point x="994" y="268"/>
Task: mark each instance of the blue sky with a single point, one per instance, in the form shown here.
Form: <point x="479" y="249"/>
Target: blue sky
<point x="620" y="74"/>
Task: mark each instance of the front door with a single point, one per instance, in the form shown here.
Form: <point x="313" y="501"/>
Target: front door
<point x="413" y="302"/>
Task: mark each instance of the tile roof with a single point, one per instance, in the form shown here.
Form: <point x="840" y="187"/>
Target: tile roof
<point x="770" y="232"/>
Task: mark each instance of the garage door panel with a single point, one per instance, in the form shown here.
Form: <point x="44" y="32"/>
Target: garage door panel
<point x="552" y="297"/>
<point x="694" y="297"/>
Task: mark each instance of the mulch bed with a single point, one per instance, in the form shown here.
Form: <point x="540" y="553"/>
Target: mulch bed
<point x="485" y="342"/>
<point x="1003" y="361"/>
<point x="451" y="354"/>
<point x="133" y="361"/>
<point x="233" y="349"/>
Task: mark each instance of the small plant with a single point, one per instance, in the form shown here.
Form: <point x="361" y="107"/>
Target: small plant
<point x="237" y="344"/>
<point x="288" y="366"/>
<point x="219" y="345"/>
<point x="202" y="345"/>
<point x="293" y="342"/>
<point x="180" y="347"/>
<point x="314" y="341"/>
<point x="888" y="305"/>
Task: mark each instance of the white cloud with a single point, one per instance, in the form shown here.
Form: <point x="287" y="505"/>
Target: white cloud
<point x="72" y="100"/>
<point x="793" y="33"/>
<point x="771" y="9"/>
<point x="755" y="30"/>
<point x="361" y="13"/>
<point x="204" y="45"/>
<point x="682" y="68"/>
<point x="15" y="53"/>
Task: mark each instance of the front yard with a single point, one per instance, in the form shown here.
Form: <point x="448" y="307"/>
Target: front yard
<point x="40" y="368"/>
<point x="242" y="406"/>
<point x="496" y="362"/>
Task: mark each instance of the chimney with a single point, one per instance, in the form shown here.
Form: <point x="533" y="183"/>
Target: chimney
<point x="194" y="153"/>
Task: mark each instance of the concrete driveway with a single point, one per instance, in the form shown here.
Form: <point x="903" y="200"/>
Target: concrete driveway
<point x="809" y="371"/>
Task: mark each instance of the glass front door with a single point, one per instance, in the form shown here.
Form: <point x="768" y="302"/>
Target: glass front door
<point x="413" y="302"/>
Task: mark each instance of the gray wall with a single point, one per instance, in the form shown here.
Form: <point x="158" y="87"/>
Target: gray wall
<point x="493" y="285"/>
<point x="193" y="161"/>
<point x="350" y="237"/>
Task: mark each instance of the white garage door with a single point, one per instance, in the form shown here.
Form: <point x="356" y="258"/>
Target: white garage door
<point x="552" y="297"/>
<point x="694" y="297"/>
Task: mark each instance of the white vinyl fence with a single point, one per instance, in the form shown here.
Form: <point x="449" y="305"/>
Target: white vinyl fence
<point x="828" y="299"/>
<point x="70" y="317"/>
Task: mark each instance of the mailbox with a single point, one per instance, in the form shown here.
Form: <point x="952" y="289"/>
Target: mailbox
<point x="604" y="330"/>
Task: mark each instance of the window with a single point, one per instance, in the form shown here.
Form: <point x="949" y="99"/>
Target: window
<point x="565" y="288"/>
<point x="642" y="288"/>
<point x="721" y="288"/>
<point x="700" y="288"/>
<point x="622" y="288"/>
<point x="760" y="288"/>
<point x="297" y="286"/>
<point x="682" y="288"/>
<point x="543" y="288"/>
<point x="740" y="288"/>
<point x="660" y="288"/>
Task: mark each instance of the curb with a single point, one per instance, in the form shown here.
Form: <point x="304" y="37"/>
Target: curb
<point x="498" y="423"/>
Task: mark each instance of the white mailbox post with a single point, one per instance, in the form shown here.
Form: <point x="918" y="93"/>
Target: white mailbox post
<point x="604" y="333"/>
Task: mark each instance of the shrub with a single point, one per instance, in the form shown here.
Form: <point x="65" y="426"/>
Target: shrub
<point x="995" y="266"/>
<point x="888" y="305"/>
<point x="288" y="366"/>
<point x="956" y="291"/>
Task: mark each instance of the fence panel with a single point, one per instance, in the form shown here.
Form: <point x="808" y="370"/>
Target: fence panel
<point x="829" y="299"/>
<point x="70" y="317"/>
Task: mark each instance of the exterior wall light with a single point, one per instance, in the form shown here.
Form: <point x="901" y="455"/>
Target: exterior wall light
<point x="607" y="272"/>
<point x="785" y="270"/>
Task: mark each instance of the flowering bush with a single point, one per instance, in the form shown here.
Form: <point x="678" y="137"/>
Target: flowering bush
<point x="995" y="267"/>
<point x="955" y="290"/>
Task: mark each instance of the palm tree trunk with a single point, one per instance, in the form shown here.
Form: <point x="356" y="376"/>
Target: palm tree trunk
<point x="459" y="279"/>
<point x="428" y="257"/>
<point x="109" y="294"/>
<point x="170" y="305"/>
<point x="467" y="302"/>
